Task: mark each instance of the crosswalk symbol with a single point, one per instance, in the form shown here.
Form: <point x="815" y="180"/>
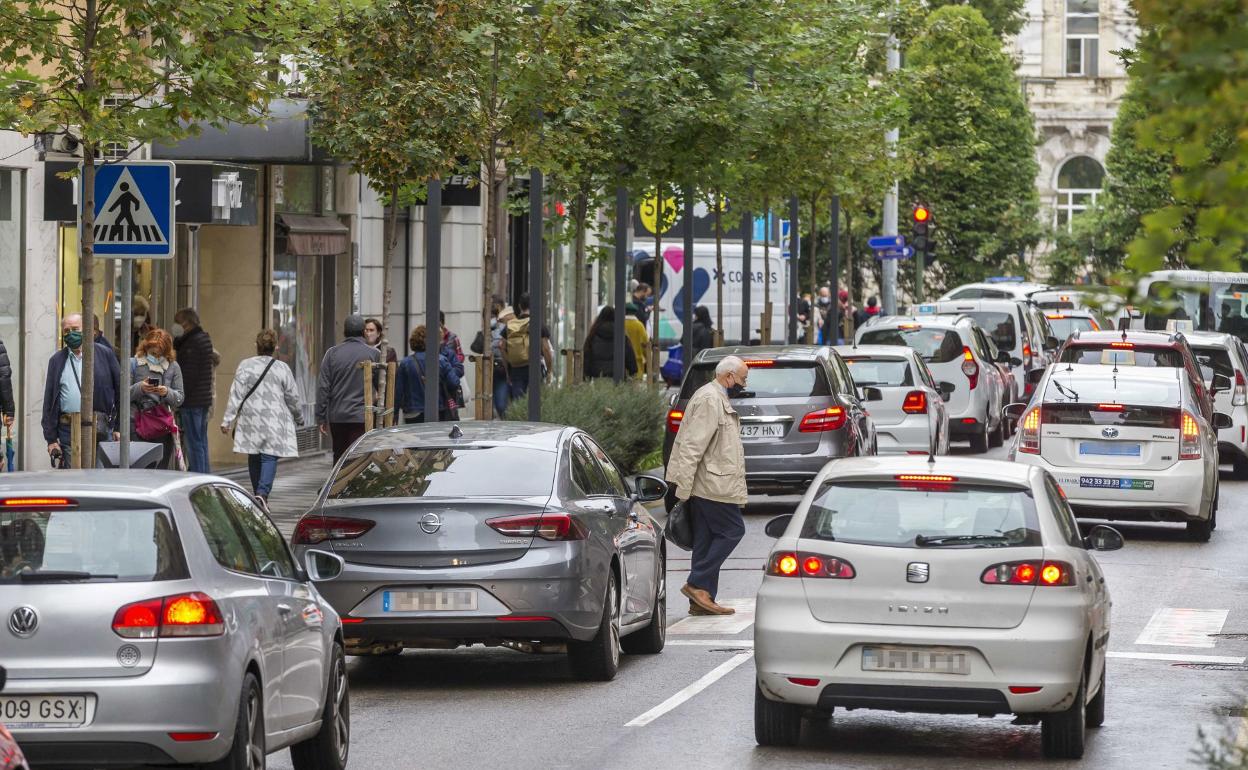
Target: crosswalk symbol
<point x="134" y="210"/>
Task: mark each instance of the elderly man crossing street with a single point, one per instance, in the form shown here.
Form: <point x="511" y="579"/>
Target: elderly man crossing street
<point x="707" y="469"/>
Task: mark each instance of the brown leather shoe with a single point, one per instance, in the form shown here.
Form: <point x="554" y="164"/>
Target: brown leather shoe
<point x="701" y="598"/>
<point x="722" y="610"/>
<point x="695" y="611"/>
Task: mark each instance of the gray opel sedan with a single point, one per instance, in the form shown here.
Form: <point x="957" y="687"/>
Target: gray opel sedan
<point x="157" y="618"/>
<point x="518" y="534"/>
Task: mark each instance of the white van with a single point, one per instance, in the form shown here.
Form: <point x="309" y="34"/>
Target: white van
<point x="1212" y="301"/>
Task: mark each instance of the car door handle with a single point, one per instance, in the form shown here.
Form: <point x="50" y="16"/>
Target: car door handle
<point x="285" y="609"/>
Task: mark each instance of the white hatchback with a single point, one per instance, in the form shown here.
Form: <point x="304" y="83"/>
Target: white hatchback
<point x="911" y="416"/>
<point x="948" y="586"/>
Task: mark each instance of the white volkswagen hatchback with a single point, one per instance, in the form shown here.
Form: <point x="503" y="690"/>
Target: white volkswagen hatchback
<point x="943" y="585"/>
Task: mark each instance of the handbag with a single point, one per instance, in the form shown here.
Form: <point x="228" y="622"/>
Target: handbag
<point x="679" y="529"/>
<point x="238" y="414"/>
<point x="154" y="423"/>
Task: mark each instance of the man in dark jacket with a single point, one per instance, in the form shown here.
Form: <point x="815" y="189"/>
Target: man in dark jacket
<point x="340" y="386"/>
<point x="62" y="391"/>
<point x="197" y="359"/>
<point x="6" y="387"/>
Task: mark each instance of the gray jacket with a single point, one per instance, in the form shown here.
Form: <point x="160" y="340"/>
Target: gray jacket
<point x="340" y="386"/>
<point x="171" y="378"/>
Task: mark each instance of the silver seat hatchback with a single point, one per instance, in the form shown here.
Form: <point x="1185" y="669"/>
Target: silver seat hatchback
<point x="156" y="618"/>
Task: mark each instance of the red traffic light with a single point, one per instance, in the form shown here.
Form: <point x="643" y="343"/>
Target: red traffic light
<point x="921" y="214"/>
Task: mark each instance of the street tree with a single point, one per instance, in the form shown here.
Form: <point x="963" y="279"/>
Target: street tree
<point x="137" y="71"/>
<point x="1004" y="16"/>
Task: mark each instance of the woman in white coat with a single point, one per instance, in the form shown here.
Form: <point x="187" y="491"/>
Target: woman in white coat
<point x="263" y="411"/>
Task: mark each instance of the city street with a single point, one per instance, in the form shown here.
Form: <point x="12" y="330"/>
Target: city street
<point x="692" y="706"/>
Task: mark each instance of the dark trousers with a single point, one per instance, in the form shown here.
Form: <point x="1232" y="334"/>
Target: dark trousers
<point x="262" y="469"/>
<point x="194" y="423"/>
<point x="717" y="528"/>
<point x="344" y="435"/>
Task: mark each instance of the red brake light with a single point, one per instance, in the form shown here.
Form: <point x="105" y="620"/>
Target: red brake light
<point x="1029" y="435"/>
<point x="140" y="620"/>
<point x="1029" y="573"/>
<point x="832" y="418"/>
<point x="674" y="418"/>
<point x="1054" y="316"/>
<point x="759" y="362"/>
<point x="804" y="681"/>
<point x="1110" y="408"/>
<point x="924" y="478"/>
<point x="192" y="614"/>
<point x="789" y="564"/>
<point x="184" y="737"/>
<point x="1123" y="345"/>
<point x="969" y="367"/>
<point x="1240" y="395"/>
<point x="915" y="403"/>
<point x="909" y="326"/>
<point x="547" y="526"/>
<point x="1189" y="439"/>
<point x="812" y="565"/>
<point x="1022" y="690"/>
<point x="314" y="529"/>
<point x="38" y="502"/>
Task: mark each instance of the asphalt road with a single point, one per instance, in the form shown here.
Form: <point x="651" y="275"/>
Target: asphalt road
<point x="492" y="708"/>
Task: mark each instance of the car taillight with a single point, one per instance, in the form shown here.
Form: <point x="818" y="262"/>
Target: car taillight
<point x="1241" y="390"/>
<point x="1027" y="355"/>
<point x="193" y="614"/>
<point x="915" y="403"/>
<point x="547" y="526"/>
<point x="1189" y="439"/>
<point x="970" y="368"/>
<point x="1029" y="432"/>
<point x="811" y="565"/>
<point x="313" y="529"/>
<point x="673" y="420"/>
<point x="1029" y="573"/>
<point x="832" y="418"/>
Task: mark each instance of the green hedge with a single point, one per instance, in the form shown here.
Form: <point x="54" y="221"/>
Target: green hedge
<point x="626" y="419"/>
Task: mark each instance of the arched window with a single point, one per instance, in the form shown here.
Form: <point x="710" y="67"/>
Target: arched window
<point x="1078" y="186"/>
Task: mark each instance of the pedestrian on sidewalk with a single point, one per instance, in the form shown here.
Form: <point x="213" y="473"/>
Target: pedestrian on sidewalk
<point x="7" y="407"/>
<point x="62" y="392"/>
<point x="340" y="386"/>
<point x="516" y="353"/>
<point x="156" y="394"/>
<point x="262" y="413"/>
<point x="703" y="331"/>
<point x="599" y="348"/>
<point x="375" y="336"/>
<point x="455" y="354"/>
<point x="707" y="470"/>
<point x="198" y="360"/>
<point x="410" y="388"/>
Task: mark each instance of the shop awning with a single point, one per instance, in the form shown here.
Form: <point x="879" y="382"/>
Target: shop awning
<point x="311" y="236"/>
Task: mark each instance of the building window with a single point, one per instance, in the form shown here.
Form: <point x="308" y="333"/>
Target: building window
<point x="1082" y="38"/>
<point x="1078" y="187"/>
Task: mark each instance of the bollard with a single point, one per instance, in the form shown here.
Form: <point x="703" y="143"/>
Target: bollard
<point x="75" y="441"/>
<point x="391" y="413"/>
<point x="366" y="369"/>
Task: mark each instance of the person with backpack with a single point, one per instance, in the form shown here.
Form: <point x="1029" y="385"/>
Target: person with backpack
<point x="410" y="381"/>
<point x="516" y="353"/>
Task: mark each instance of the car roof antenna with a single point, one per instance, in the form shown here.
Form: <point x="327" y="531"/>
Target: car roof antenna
<point x="456" y="432"/>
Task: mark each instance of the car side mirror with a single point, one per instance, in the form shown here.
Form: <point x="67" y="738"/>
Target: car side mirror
<point x="946" y="389"/>
<point x="672" y="401"/>
<point x="1220" y="382"/>
<point x="1052" y="343"/>
<point x="1014" y="412"/>
<point x="1103" y="538"/>
<point x="777" y="526"/>
<point x="1003" y="356"/>
<point x="1222" y="421"/>
<point x="1016" y="361"/>
<point x="871" y="394"/>
<point x="322" y="565"/>
<point x="647" y="489"/>
<point x="1034" y="376"/>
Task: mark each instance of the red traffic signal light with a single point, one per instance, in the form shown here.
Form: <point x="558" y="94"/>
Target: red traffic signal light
<point x="921" y="214"/>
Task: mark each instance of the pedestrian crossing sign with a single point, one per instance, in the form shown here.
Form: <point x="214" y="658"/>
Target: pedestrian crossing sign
<point x="134" y="210"/>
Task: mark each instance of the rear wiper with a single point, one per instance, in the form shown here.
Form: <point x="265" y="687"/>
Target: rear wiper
<point x="51" y="576"/>
<point x="1067" y="392"/>
<point x="926" y="540"/>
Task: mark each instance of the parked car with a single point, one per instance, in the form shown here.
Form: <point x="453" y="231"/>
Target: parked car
<point x="911" y="417"/>
<point x="1013" y="327"/>
<point x="11" y="757"/>
<point x="1067" y="322"/>
<point x="800" y="410"/>
<point x="998" y="289"/>
<point x="159" y="618"/>
<point x="956" y="586"/>
<point x="520" y="534"/>
<point x="957" y="351"/>
<point x="1223" y="362"/>
<point x="1139" y="348"/>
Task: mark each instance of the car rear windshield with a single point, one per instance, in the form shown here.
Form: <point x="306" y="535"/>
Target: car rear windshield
<point x="780" y="379"/>
<point x="1066" y="325"/>
<point x="890" y="514"/>
<point x="936" y="346"/>
<point x="471" y="471"/>
<point x="879" y="371"/>
<point x="89" y="545"/>
<point x="1216" y="359"/>
<point x="1111" y="414"/>
<point x="1002" y="327"/>
<point x="1113" y="390"/>
<point x="1136" y="355"/>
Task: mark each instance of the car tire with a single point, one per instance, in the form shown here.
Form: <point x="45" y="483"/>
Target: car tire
<point x="997" y="437"/>
<point x="1239" y="468"/>
<point x="775" y="724"/>
<point x="247" y="752"/>
<point x="330" y="747"/>
<point x="651" y="639"/>
<point x="1201" y="530"/>
<point x="979" y="442"/>
<point x="1096" y="706"/>
<point x="598" y="659"/>
<point x="1062" y="734"/>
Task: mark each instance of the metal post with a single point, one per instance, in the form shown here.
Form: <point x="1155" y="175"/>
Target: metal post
<point x="127" y="343"/>
<point x="889" y="268"/>
<point x="795" y="252"/>
<point x="537" y="304"/>
<point x="433" y="299"/>
<point x="621" y="282"/>
<point x="833" y="322"/>
<point x="920" y="264"/>
<point x="747" y="279"/>
<point x="687" y="310"/>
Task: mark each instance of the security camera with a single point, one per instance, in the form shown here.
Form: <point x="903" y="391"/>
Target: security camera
<point x="64" y="143"/>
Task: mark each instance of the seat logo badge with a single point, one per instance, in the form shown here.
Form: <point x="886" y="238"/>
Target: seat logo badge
<point x="23" y="622"/>
<point x="430" y="523"/>
<point x="917" y="572"/>
<point x="1109" y="432"/>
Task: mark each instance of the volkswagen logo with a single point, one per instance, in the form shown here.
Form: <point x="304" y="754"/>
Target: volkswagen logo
<point x="23" y="622"/>
<point x="1109" y="432"/>
<point x="430" y="523"/>
<point x="917" y="572"/>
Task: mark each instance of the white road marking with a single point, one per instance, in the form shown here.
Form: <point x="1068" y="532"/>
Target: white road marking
<point x="1173" y="657"/>
<point x="713" y="676"/>
<point x="718" y="624"/>
<point x="1171" y="627"/>
<point x="711" y="642"/>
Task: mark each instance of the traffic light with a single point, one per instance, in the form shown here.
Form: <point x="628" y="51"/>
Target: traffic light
<point x="922" y="238"/>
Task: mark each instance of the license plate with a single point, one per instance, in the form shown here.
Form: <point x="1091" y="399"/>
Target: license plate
<point x="32" y="711"/>
<point x="1110" y="448"/>
<point x="1104" y="482"/>
<point x="916" y="660"/>
<point x="429" y="601"/>
<point x="762" y="430"/>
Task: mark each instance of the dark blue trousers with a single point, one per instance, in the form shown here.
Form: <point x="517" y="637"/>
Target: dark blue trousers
<point x="717" y="528"/>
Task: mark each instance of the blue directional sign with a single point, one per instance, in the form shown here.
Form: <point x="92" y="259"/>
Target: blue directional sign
<point x="905" y="252"/>
<point x="881" y="242"/>
<point x="134" y="210"/>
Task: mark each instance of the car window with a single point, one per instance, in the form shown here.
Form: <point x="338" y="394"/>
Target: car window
<point x="1218" y="360"/>
<point x="1126" y="354"/>
<point x="845" y="381"/>
<point x="1062" y="513"/>
<point x="773" y="379"/>
<point x="967" y="294"/>
<point x="585" y="471"/>
<point x="615" y="479"/>
<point x="935" y="346"/>
<point x="473" y="470"/>
<point x="983" y="346"/>
<point x="1065" y="325"/>
<point x="879" y="371"/>
<point x="1002" y="326"/>
<point x="225" y="541"/>
<point x="266" y="543"/>
<point x="925" y="374"/>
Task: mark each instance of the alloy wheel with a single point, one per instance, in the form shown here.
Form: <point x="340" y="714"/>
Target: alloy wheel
<point x="342" y="718"/>
<point x="255" y="733"/>
<point x="614" y="603"/>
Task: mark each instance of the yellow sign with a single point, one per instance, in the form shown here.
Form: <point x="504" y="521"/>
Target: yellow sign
<point x="650" y="213"/>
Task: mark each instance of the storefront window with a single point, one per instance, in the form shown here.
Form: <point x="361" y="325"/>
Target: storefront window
<point x="296" y="189"/>
<point x="296" y="317"/>
<point x="11" y="249"/>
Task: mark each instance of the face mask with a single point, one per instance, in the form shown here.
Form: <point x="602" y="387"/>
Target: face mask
<point x="137" y="322"/>
<point x="73" y="339"/>
<point x="825" y="301"/>
<point x="735" y="390"/>
<point x="155" y="360"/>
<point x="178" y="331"/>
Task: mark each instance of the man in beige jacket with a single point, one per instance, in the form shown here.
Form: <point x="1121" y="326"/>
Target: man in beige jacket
<point x="707" y="469"/>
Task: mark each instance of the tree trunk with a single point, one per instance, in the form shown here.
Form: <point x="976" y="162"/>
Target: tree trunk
<point x="487" y="284"/>
<point x="656" y="276"/>
<point x="719" y="270"/>
<point x="86" y="274"/>
<point x="580" y="283"/>
<point x="814" y="268"/>
<point x="390" y="237"/>
<point x="766" y="320"/>
<point x="854" y="299"/>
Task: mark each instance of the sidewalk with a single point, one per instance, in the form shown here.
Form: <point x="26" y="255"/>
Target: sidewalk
<point x="298" y="483"/>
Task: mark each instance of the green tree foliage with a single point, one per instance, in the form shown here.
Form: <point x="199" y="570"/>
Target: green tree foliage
<point x="971" y="145"/>
<point x="1004" y="16"/>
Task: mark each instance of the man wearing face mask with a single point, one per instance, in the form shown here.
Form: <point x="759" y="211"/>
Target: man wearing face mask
<point x="707" y="469"/>
<point x="62" y="391"/>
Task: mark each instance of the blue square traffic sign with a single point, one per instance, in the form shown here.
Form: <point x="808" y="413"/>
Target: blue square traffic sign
<point x="134" y="210"/>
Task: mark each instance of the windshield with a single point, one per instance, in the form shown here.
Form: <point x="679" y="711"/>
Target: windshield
<point x="1000" y="326"/>
<point x="796" y="379"/>
<point x="936" y="346"/>
<point x="880" y="371"/>
<point x="1137" y="355"/>
<point x="1066" y="325"/>
<point x="1229" y="306"/>
<point x="472" y="471"/>
<point x="117" y="546"/>
<point x="909" y="517"/>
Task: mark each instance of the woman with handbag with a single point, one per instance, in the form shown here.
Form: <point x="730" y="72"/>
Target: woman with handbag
<point x="262" y="412"/>
<point x="156" y="394"/>
<point x="410" y="388"/>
